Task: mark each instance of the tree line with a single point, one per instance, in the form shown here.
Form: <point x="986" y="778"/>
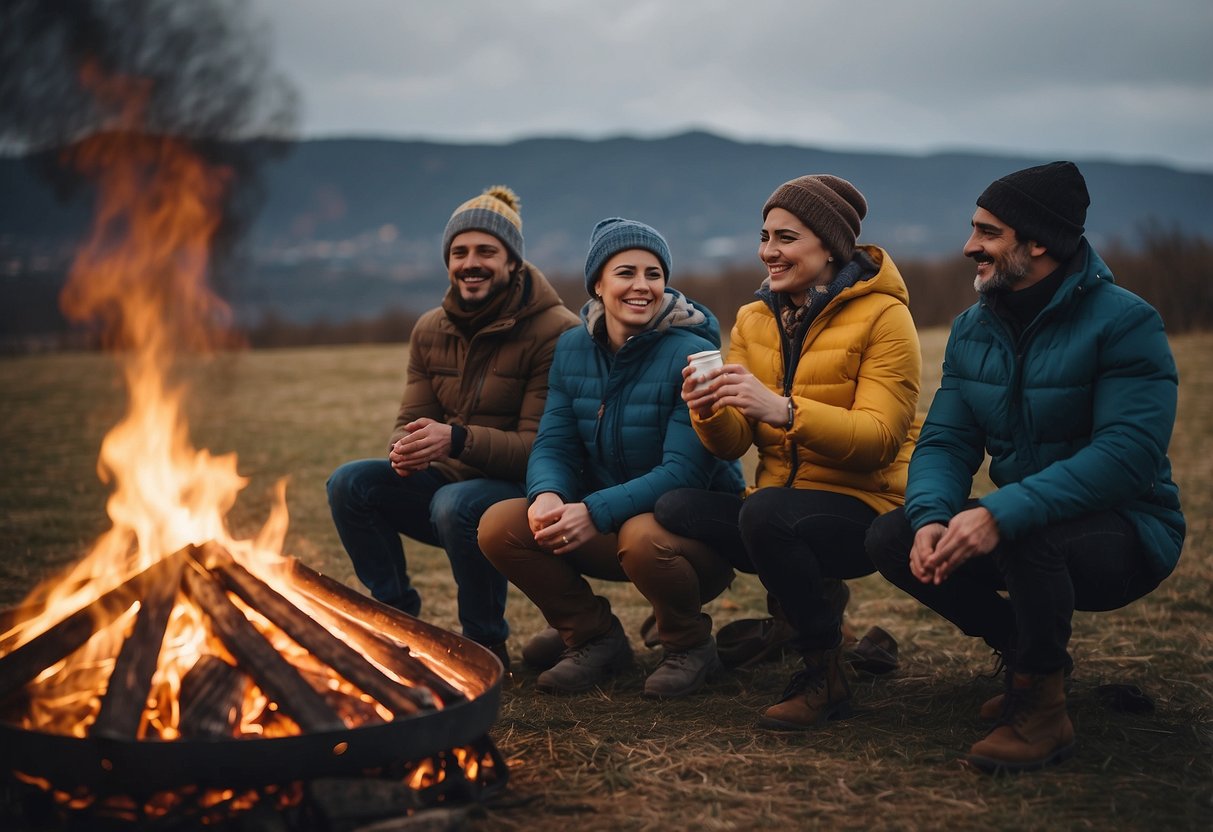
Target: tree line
<point x="1169" y="268"/>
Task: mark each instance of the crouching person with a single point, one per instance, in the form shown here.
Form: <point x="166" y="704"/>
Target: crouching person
<point x="822" y="377"/>
<point x="615" y="435"/>
<point x="477" y="379"/>
<point x="1068" y="382"/>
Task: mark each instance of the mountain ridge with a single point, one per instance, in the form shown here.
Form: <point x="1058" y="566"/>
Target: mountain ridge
<point x="349" y="225"/>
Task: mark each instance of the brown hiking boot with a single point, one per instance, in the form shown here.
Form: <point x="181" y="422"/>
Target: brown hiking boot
<point x="814" y="695"/>
<point x="1035" y="730"/>
<point x="991" y="709"/>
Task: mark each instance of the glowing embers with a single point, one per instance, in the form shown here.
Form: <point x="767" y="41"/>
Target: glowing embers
<point x="454" y="777"/>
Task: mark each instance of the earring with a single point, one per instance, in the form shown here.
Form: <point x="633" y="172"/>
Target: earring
<point x="830" y="259"/>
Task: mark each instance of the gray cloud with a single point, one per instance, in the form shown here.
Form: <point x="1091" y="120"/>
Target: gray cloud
<point x="1090" y="78"/>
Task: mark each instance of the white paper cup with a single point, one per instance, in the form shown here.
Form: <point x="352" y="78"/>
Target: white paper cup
<point x="701" y="362"/>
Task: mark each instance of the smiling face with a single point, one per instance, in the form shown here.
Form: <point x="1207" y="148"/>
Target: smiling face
<point x="631" y="285"/>
<point x="1004" y="264"/>
<point x="795" y="257"/>
<point x="479" y="266"/>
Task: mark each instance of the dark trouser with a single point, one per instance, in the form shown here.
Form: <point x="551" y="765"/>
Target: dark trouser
<point x="372" y="506"/>
<point x="675" y="574"/>
<point x="792" y="538"/>
<point x="1092" y="563"/>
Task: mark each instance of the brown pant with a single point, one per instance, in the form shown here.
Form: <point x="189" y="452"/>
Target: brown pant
<point x="676" y="574"/>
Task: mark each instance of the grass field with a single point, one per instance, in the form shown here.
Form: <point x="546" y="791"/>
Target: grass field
<point x="610" y="760"/>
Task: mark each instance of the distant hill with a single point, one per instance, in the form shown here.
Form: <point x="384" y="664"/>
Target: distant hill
<point x="349" y="226"/>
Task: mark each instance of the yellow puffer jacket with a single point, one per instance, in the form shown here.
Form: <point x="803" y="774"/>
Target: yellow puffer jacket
<point x="855" y="389"/>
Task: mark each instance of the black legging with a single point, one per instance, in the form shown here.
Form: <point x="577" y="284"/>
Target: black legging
<point x="792" y="538"/>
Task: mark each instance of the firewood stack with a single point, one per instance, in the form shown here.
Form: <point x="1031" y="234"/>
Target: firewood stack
<point x="390" y="681"/>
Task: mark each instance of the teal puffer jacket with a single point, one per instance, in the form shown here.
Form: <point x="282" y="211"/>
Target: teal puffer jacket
<point x="615" y="432"/>
<point x="1077" y="419"/>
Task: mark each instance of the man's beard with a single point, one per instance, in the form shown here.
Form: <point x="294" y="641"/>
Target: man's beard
<point x="475" y="304"/>
<point x="1009" y="270"/>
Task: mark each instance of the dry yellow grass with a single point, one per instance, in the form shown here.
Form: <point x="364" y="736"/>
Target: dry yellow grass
<point x="612" y="760"/>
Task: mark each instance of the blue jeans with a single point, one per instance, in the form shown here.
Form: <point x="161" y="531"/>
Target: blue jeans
<point x="373" y="506"/>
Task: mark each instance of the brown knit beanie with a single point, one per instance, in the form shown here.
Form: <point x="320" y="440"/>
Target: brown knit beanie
<point x="831" y="207"/>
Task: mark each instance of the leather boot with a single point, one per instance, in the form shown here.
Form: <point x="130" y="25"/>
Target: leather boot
<point x="591" y="663"/>
<point x="814" y="695"/>
<point x="1035" y="730"/>
<point x="682" y="672"/>
<point x="991" y="709"/>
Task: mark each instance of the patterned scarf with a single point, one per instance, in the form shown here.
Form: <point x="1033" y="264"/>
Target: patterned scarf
<point x="796" y="319"/>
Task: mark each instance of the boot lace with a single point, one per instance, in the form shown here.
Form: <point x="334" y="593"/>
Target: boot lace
<point x="579" y="653"/>
<point x="802" y="681"/>
<point x="1002" y="664"/>
<point x="676" y="659"/>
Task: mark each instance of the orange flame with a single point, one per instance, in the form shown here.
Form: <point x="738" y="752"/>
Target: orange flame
<point x="143" y="274"/>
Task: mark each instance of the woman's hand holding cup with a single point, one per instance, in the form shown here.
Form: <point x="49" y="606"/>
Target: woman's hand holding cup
<point x="697" y="391"/>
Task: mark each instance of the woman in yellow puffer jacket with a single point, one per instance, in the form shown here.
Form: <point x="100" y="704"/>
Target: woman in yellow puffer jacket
<point x="822" y="376"/>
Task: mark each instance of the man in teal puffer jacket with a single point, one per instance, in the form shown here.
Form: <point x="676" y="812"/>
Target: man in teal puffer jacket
<point x="1068" y="382"/>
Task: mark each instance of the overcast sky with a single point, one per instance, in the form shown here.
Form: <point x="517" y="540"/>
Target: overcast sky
<point x="1113" y="79"/>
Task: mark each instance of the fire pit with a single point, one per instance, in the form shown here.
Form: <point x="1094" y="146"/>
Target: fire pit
<point x="408" y="689"/>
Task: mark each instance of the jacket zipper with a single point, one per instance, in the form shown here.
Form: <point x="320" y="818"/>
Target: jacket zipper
<point x="476" y="392"/>
<point x="789" y="370"/>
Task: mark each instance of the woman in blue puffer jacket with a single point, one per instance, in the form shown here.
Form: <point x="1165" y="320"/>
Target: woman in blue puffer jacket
<point x="615" y="436"/>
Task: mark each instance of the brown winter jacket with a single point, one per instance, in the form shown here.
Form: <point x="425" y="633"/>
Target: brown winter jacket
<point x="494" y="382"/>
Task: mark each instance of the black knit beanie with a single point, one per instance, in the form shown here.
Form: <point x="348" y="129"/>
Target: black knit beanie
<point x="1046" y="203"/>
<point x="831" y="207"/>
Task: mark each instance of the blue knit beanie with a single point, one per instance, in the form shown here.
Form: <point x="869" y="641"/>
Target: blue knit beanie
<point x="616" y="234"/>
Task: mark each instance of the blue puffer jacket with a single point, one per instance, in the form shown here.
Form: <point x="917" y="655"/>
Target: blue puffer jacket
<point x="1076" y="421"/>
<point x="615" y="432"/>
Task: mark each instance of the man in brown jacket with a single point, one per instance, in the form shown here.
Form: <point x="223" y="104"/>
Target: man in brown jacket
<point x="477" y="381"/>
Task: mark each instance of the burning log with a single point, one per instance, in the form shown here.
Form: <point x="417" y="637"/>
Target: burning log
<point x="322" y="644"/>
<point x="273" y="673"/>
<point x="396" y="658"/>
<point x="213" y="723"/>
<point x="212" y="699"/>
<point x="11" y="618"/>
<point x="352" y="607"/>
<point x="22" y="665"/>
<point x="129" y="682"/>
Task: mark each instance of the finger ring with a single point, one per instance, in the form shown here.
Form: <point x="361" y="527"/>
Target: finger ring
<point x="566" y="539"/>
